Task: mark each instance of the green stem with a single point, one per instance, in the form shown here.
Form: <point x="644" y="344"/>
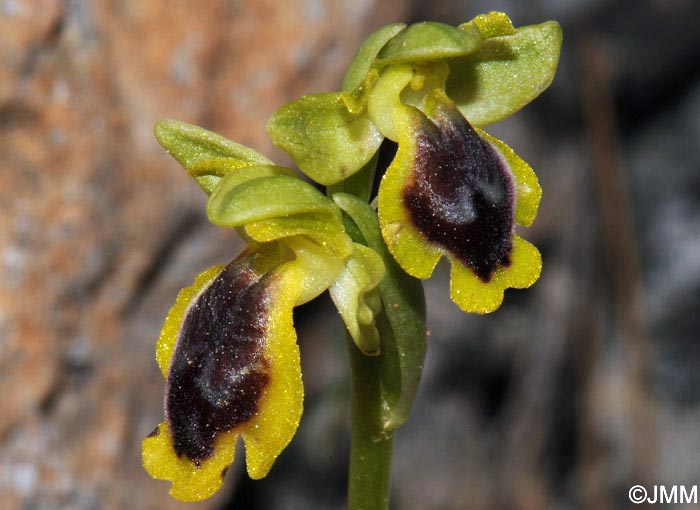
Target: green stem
<point x="383" y="387"/>
<point x="371" y="449"/>
<point x="360" y="183"/>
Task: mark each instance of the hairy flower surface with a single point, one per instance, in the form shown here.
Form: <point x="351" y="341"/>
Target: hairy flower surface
<point x="228" y="351"/>
<point x="452" y="189"/>
<point x="228" y="346"/>
<point x="449" y="191"/>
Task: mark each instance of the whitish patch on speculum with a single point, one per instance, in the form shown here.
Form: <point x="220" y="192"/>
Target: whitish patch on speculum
<point x="218" y="372"/>
<point x="461" y="194"/>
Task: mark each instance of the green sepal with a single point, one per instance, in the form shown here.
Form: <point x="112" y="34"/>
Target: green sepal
<point x="505" y="73"/>
<point x="364" y="58"/>
<point x="429" y="41"/>
<point x="234" y="204"/>
<point x="326" y="140"/>
<point x="356" y="296"/>
<point x="326" y="230"/>
<point x="209" y="172"/>
<point x="401" y="325"/>
<point x="191" y="145"/>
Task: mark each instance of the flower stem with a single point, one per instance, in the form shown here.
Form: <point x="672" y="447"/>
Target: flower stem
<point x="360" y="183"/>
<point x="371" y="448"/>
<point x="384" y="386"/>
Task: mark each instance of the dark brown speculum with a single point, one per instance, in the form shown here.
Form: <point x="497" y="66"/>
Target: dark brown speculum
<point x="218" y="371"/>
<point x="460" y="194"/>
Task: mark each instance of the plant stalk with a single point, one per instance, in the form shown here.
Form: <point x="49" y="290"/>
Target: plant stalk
<point x="371" y="448"/>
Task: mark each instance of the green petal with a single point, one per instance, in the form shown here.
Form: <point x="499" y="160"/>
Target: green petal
<point x="364" y="58"/>
<point x="358" y="184"/>
<point x="505" y="73"/>
<point x="429" y="41"/>
<point x="191" y="145"/>
<point x="209" y="172"/>
<point x="355" y="100"/>
<point x="385" y="98"/>
<point x="234" y="204"/>
<point x="357" y="298"/>
<point x="326" y="140"/>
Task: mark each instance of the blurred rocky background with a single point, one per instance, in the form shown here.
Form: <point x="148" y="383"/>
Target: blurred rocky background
<point x="567" y="396"/>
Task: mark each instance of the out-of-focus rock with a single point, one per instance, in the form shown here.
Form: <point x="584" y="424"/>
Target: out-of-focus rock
<point x="99" y="228"/>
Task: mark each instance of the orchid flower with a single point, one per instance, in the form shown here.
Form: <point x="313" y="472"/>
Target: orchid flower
<point x="452" y="190"/>
<point x="228" y="346"/>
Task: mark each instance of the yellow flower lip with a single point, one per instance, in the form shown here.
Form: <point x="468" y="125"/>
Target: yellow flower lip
<point x="228" y="350"/>
<point x="460" y="195"/>
<point x="452" y="190"/>
<point x="219" y="370"/>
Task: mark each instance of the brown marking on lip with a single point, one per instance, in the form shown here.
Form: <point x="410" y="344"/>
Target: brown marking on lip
<point x="154" y="432"/>
<point x="219" y="371"/>
<point x="461" y="195"/>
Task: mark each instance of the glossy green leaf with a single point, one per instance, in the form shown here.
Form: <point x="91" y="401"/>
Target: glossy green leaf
<point x="364" y="58"/>
<point x="505" y="73"/>
<point x="234" y="204"/>
<point x="209" y="172"/>
<point x="401" y="325"/>
<point x="429" y="41"/>
<point x="326" y="140"/>
<point x="357" y="298"/>
<point x="190" y="144"/>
